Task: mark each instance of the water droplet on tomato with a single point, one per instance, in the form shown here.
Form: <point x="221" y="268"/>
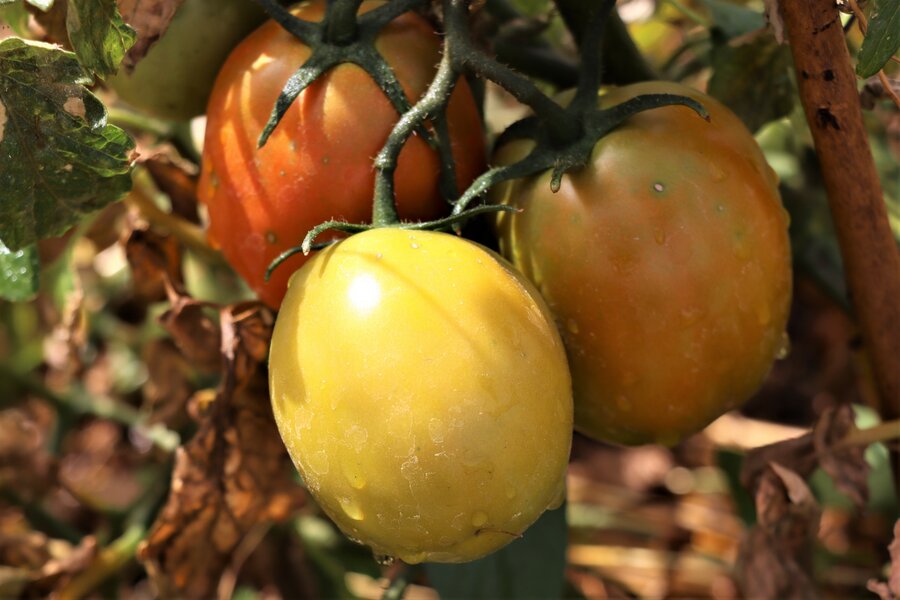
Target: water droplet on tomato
<point x="354" y="474"/>
<point x="413" y="558"/>
<point x="660" y="236"/>
<point x="572" y="326"/>
<point x="384" y="559"/>
<point x="479" y="518"/>
<point x="414" y="246"/>
<point x="659" y="187"/>
<point x="784" y="347"/>
<point x="352" y="509"/>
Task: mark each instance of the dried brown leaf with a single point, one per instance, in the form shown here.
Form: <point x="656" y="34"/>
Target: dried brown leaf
<point x="176" y="178"/>
<point x="155" y="262"/>
<point x="150" y="19"/>
<point x="168" y="386"/>
<point x="194" y="332"/>
<point x="246" y="332"/>
<point x="774" y="556"/>
<point x="25" y="464"/>
<point x="39" y="563"/>
<point x="53" y="23"/>
<point x="846" y="464"/>
<point x="233" y="475"/>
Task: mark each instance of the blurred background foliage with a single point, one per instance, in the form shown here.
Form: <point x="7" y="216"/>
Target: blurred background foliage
<point x="100" y="386"/>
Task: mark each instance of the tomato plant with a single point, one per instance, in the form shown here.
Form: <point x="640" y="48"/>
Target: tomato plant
<point x="667" y="263"/>
<point x="317" y="165"/>
<point x="422" y="390"/>
<point x="175" y="78"/>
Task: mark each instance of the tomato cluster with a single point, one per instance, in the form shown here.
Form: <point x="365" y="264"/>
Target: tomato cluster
<point x="419" y="381"/>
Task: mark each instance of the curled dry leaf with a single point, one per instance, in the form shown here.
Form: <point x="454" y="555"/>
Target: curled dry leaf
<point x="176" y="178"/>
<point x="845" y="464"/>
<point x="37" y="563"/>
<point x="155" y="262"/>
<point x="774" y="559"/>
<point x="890" y="589"/>
<point x="233" y="475"/>
<point x="193" y="331"/>
<point x="822" y="447"/>
<point x="150" y="19"/>
<point x="168" y="385"/>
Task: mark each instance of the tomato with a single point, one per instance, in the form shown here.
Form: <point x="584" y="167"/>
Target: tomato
<point x="317" y="165"/>
<point x="667" y="263"/>
<point x="175" y="78"/>
<point x="421" y="388"/>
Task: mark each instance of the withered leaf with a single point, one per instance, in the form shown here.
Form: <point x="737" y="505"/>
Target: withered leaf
<point x="890" y="590"/>
<point x="155" y="262"/>
<point x="150" y="19"/>
<point x="774" y="558"/>
<point x="180" y="185"/>
<point x="25" y="464"/>
<point x="246" y="332"/>
<point x="194" y="331"/>
<point x="846" y="464"/>
<point x="233" y="475"/>
<point x="168" y="386"/>
<point x="43" y="563"/>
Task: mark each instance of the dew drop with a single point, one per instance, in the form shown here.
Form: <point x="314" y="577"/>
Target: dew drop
<point x="413" y="558"/>
<point x="384" y="559"/>
<point x="572" y="326"/>
<point x="378" y="255"/>
<point x="479" y="518"/>
<point x="354" y="474"/>
<point x="352" y="509"/>
<point x="720" y="208"/>
<point x="660" y="236"/>
<point x="784" y="347"/>
<point x="414" y="246"/>
<point x="659" y="187"/>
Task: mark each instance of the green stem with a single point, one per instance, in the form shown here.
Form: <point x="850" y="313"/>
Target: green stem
<point x="341" y="27"/>
<point x="127" y="119"/>
<point x="691" y="14"/>
<point x="622" y="61"/>
<point x="467" y="57"/>
<point x="108" y="562"/>
<point x="384" y="210"/>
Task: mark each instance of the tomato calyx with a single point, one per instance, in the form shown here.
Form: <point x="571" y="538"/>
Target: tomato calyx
<point x="565" y="142"/>
<point x="341" y="37"/>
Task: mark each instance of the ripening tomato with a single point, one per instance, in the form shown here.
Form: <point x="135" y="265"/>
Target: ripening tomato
<point x="422" y="390"/>
<point x="317" y="165"/>
<point x="175" y="78"/>
<point x="667" y="263"/>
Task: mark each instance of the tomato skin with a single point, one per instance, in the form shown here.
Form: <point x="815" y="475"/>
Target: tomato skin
<point x="317" y="165"/>
<point x="667" y="263"/>
<point x="422" y="390"/>
<point x="175" y="78"/>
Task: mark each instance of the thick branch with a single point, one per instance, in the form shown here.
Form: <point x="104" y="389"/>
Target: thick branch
<point x="871" y="259"/>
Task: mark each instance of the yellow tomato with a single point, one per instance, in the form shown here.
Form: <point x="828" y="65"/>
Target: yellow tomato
<point x="422" y="390"/>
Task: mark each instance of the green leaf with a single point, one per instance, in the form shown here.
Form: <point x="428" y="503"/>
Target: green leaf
<point x="59" y="159"/>
<point x="99" y="35"/>
<point x="531" y="567"/>
<point x="43" y="5"/>
<point x="19" y="269"/>
<point x="753" y="79"/>
<point x="882" y="38"/>
<point x="734" y="20"/>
